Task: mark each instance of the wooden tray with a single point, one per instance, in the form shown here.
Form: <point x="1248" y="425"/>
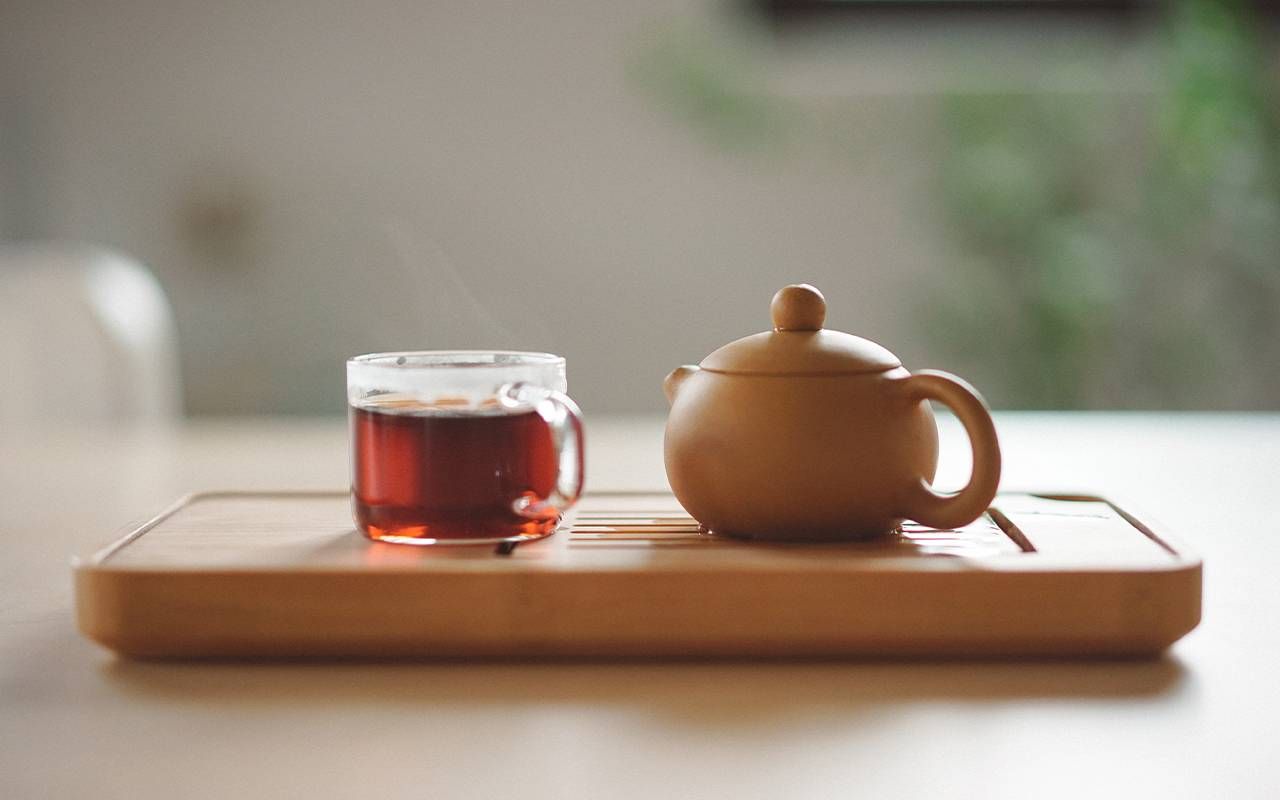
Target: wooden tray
<point x="630" y="575"/>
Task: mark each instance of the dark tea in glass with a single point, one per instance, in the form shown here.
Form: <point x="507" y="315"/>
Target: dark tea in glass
<point x="446" y="450"/>
<point x="423" y="473"/>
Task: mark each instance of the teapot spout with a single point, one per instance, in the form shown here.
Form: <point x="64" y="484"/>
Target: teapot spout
<point x="671" y="384"/>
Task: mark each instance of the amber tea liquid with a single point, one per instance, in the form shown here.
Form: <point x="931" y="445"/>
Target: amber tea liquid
<point x="423" y="475"/>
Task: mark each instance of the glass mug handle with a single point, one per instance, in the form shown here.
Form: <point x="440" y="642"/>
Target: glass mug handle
<point x="564" y="419"/>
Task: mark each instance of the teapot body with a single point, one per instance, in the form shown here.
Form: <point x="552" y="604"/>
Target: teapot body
<point x="804" y="457"/>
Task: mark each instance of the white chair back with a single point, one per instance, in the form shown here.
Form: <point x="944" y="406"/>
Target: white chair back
<point x="86" y="335"/>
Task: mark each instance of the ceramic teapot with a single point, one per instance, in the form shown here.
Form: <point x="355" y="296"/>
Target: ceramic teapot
<point x="806" y="433"/>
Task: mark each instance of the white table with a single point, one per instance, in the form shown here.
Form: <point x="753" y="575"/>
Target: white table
<point x="1202" y="722"/>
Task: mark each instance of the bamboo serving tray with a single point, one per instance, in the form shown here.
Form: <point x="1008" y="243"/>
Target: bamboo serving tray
<point x="285" y="575"/>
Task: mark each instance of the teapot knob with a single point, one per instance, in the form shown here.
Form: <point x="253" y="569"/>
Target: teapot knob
<point x="798" y="307"/>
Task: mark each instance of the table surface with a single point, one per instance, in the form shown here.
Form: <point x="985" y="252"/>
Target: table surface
<point x="1200" y="722"/>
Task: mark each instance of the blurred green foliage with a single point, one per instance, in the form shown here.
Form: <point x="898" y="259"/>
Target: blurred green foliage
<point x="713" y="88"/>
<point x="1104" y="248"/>
<point x="1100" y="269"/>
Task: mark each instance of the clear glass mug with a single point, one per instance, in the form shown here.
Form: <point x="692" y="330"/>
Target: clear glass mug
<point x="462" y="447"/>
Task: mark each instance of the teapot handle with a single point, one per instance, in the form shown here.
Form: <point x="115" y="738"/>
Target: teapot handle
<point x="928" y="507"/>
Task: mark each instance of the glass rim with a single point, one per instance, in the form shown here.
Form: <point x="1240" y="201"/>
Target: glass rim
<point x="423" y="359"/>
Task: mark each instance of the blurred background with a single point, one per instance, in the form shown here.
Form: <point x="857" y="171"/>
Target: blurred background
<point x="1072" y="204"/>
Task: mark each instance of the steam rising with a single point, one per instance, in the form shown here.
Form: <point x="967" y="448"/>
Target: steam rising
<point x="447" y="311"/>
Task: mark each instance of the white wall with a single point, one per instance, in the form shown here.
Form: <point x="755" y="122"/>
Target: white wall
<point x="316" y="179"/>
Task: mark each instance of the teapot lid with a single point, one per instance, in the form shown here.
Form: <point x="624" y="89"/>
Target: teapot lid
<point x="799" y="345"/>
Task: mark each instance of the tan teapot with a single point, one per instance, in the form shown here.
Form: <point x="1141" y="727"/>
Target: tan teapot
<point x="805" y="433"/>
